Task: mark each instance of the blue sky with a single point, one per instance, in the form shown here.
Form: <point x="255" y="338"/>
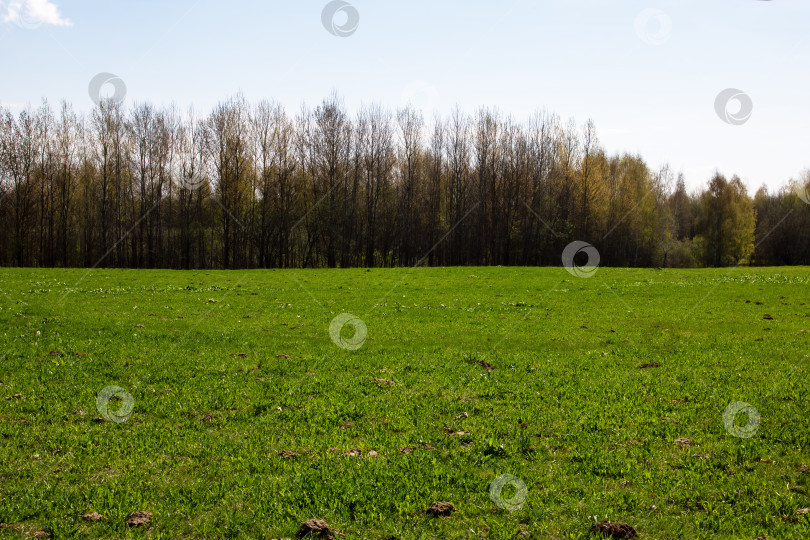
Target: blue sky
<point x="646" y="71"/>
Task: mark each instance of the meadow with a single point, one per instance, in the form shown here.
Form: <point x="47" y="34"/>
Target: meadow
<point x="239" y="408"/>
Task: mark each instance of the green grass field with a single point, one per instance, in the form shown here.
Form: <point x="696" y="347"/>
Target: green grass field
<point x="228" y="370"/>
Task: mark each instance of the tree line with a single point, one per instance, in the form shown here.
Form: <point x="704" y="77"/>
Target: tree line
<point x="252" y="186"/>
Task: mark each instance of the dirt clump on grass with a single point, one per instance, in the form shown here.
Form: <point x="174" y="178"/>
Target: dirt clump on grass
<point x="357" y="452"/>
<point x="318" y="528"/>
<point x="614" y="530"/>
<point x="683" y="442"/>
<point x="139" y="519"/>
<point x="649" y="365"/>
<point x="383" y="382"/>
<point x="287" y="454"/>
<point x="441" y="508"/>
<point x="486" y="365"/>
<point x="93" y="516"/>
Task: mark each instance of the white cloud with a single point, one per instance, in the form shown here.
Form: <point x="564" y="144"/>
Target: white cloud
<point x="33" y="13"/>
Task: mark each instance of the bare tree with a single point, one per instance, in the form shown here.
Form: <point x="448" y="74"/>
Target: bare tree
<point x="411" y="126"/>
<point x="330" y="145"/>
<point x="458" y="163"/>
